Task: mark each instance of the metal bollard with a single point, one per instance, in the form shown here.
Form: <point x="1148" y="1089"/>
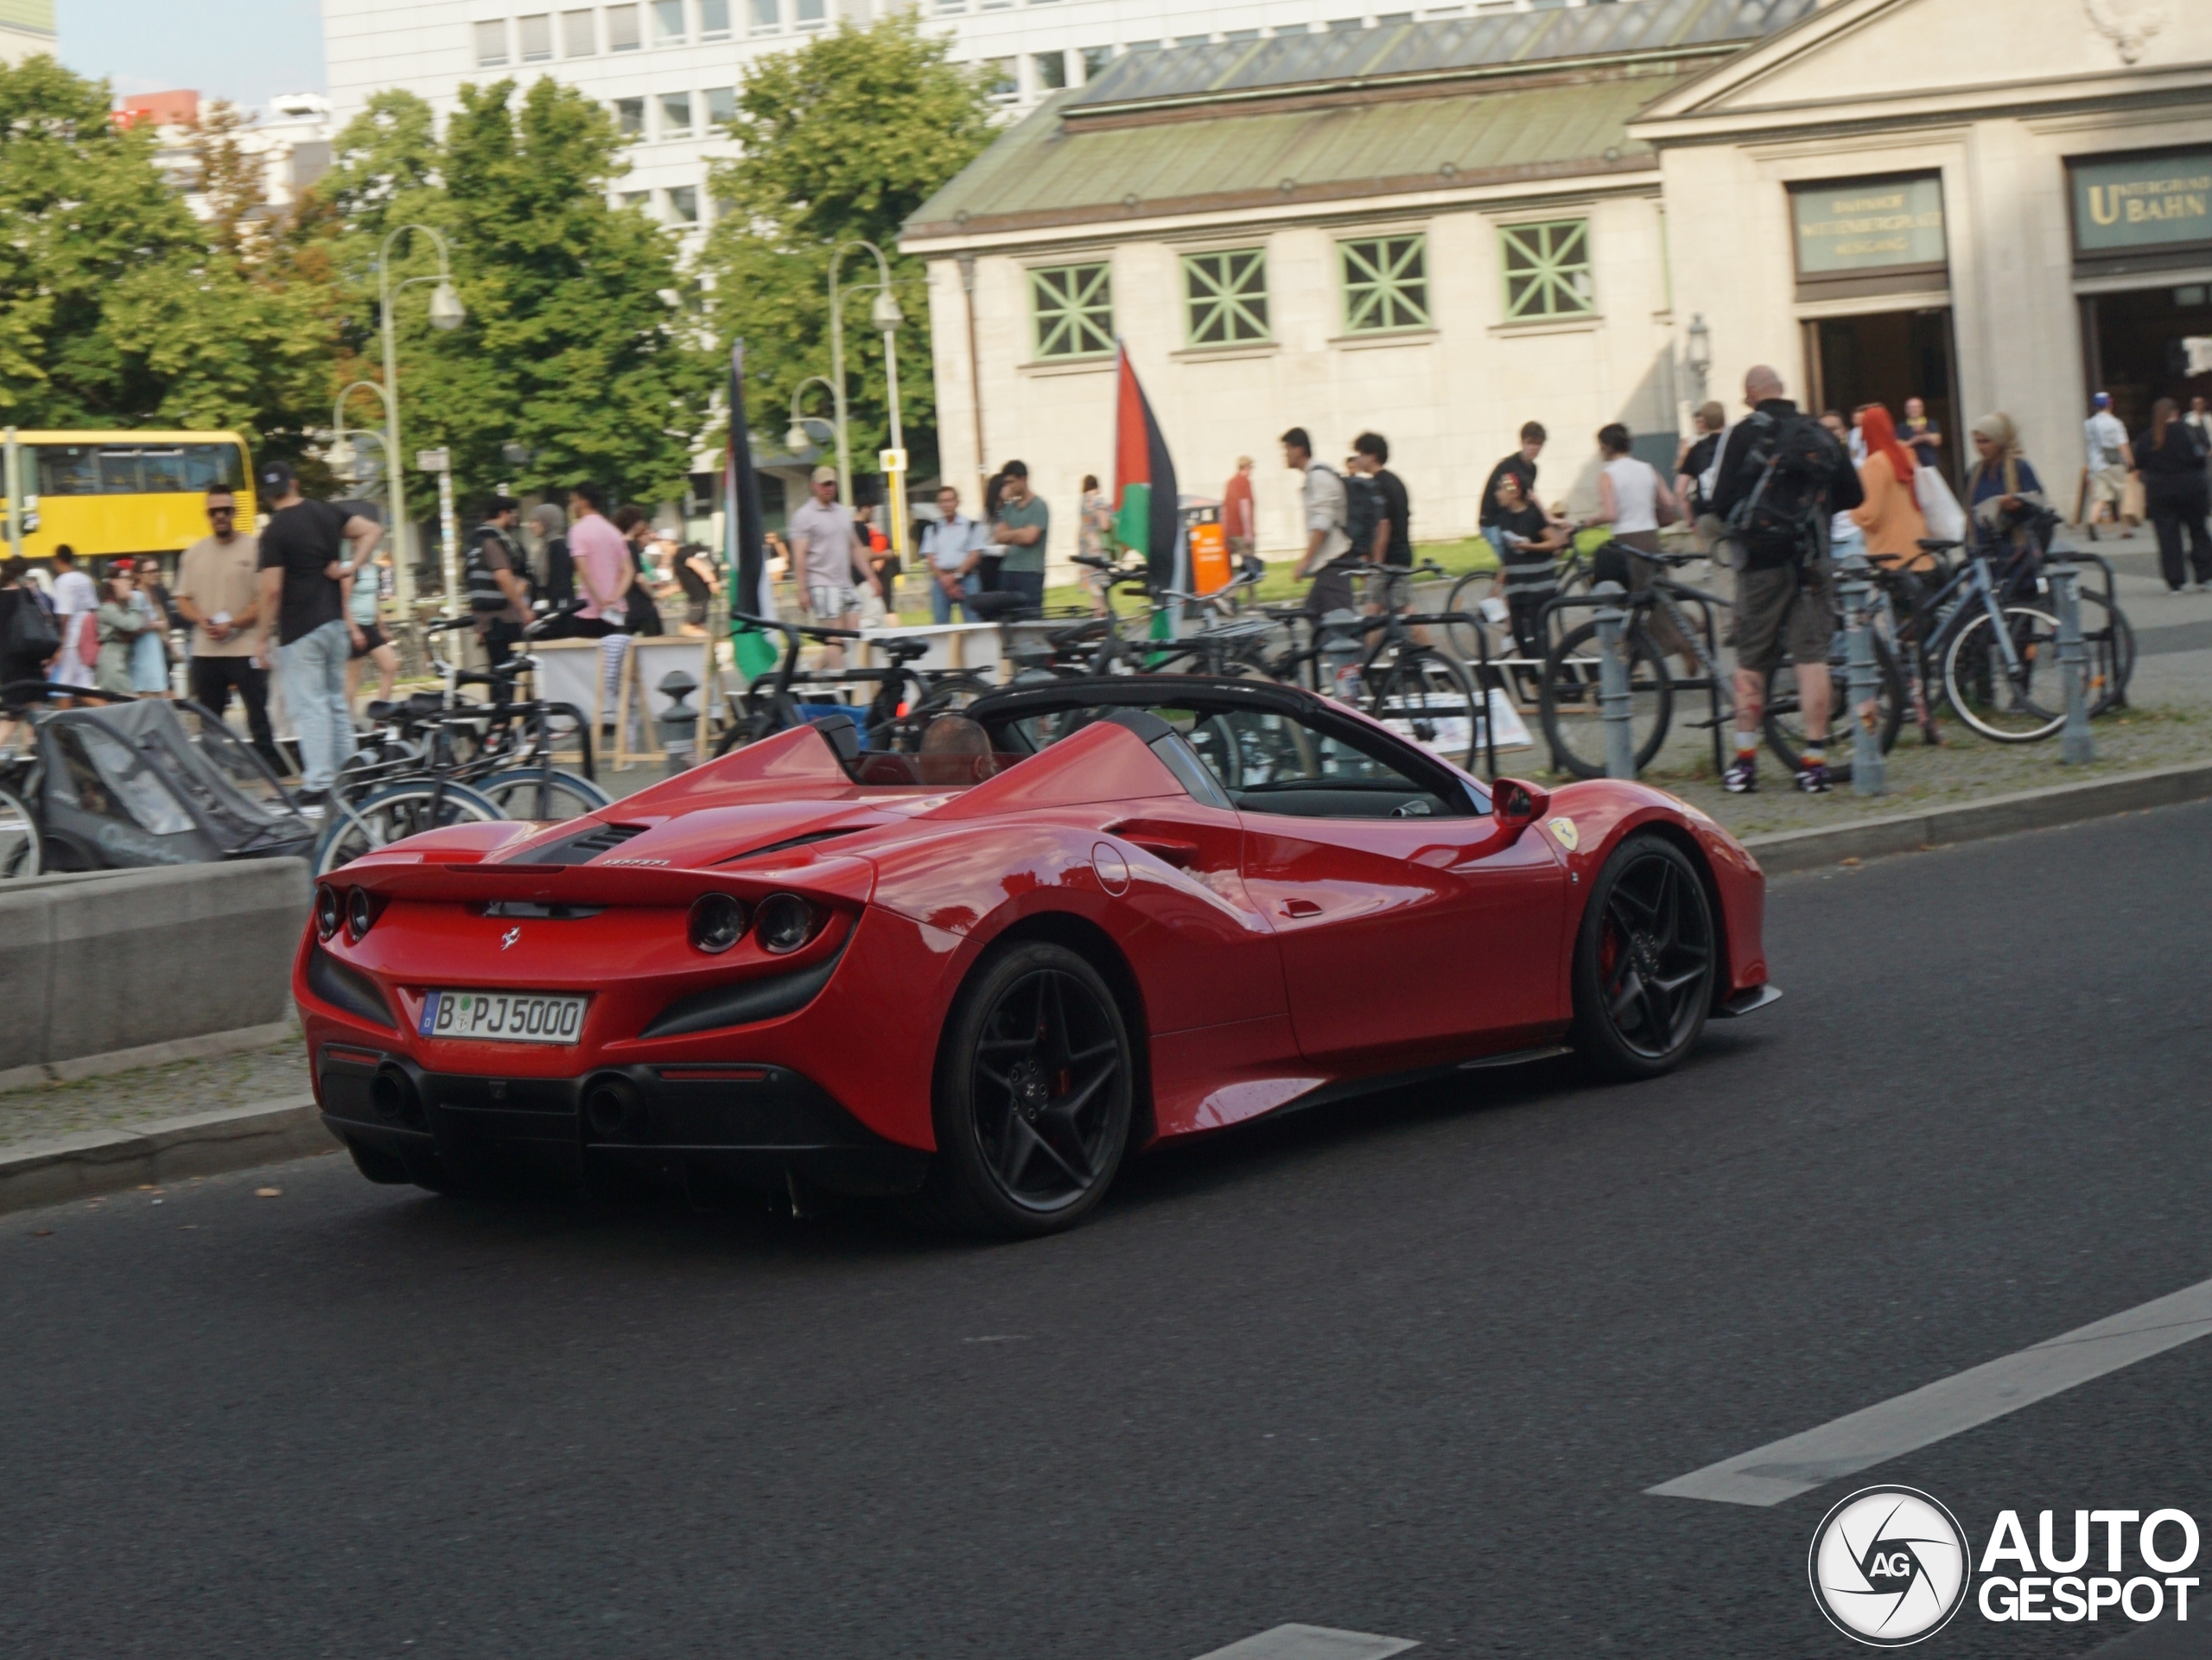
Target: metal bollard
<point x="1612" y="682"/>
<point x="1869" y="766"/>
<point x="2077" y="746"/>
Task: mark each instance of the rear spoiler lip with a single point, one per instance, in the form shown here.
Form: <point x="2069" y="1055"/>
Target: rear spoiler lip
<point x="834" y="877"/>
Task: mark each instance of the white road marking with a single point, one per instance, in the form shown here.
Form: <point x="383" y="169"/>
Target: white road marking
<point x="1312" y="1643"/>
<point x="1782" y="1469"/>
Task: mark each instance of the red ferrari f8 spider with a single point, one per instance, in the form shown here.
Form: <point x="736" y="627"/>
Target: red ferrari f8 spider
<point x="1088" y="916"/>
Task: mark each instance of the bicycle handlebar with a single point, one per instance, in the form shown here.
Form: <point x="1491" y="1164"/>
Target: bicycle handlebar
<point x="796" y="629"/>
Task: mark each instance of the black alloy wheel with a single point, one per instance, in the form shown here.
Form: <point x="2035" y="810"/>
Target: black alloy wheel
<point x="1644" y="962"/>
<point x="1034" y="1096"/>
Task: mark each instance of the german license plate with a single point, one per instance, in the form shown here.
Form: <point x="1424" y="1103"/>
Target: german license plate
<point x="503" y="1016"/>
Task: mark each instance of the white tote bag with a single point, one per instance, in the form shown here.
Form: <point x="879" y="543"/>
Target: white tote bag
<point x="1946" y="520"/>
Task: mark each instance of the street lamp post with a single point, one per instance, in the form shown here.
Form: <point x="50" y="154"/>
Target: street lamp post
<point x="885" y="317"/>
<point x="796" y="436"/>
<point x="446" y="314"/>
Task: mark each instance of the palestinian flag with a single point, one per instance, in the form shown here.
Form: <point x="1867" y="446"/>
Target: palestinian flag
<point x="745" y="543"/>
<point x="1148" y="520"/>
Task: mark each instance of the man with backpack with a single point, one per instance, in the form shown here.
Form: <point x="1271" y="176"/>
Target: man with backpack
<point x="1330" y="553"/>
<point x="499" y="602"/>
<point x="1782" y="476"/>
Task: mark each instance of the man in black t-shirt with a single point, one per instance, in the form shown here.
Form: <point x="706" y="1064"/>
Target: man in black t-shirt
<point x="1393" y="538"/>
<point x="1523" y="466"/>
<point x="307" y="583"/>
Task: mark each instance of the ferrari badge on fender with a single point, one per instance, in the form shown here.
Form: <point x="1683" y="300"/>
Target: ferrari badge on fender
<point x="1569" y="837"/>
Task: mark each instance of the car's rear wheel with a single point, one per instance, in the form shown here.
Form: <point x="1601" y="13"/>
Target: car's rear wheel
<point x="1033" y="1092"/>
<point x="1644" y="961"/>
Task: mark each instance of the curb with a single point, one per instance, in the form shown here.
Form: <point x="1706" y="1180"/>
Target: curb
<point x="1782" y="851"/>
<point x="170" y="1149"/>
<point x="149" y="1054"/>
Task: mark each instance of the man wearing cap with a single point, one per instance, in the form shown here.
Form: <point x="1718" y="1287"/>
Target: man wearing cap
<point x="831" y="562"/>
<point x="2110" y="458"/>
<point x="307" y="581"/>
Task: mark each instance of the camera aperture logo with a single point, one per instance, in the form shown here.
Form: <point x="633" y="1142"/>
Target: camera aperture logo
<point x="1889" y="1566"/>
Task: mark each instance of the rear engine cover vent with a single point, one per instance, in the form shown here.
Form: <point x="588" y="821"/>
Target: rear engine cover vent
<point x="585" y="845"/>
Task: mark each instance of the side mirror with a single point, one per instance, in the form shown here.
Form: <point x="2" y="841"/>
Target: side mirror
<point x="1517" y="804"/>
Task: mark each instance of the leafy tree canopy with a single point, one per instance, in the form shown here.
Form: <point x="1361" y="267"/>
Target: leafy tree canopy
<point x="570" y="347"/>
<point x="118" y="308"/>
<point x="843" y="139"/>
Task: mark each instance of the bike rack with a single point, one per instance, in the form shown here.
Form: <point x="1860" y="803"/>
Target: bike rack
<point x="1682" y="594"/>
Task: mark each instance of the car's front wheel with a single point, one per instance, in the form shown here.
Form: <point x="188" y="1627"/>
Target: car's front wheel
<point x="1033" y="1092"/>
<point x="1644" y="960"/>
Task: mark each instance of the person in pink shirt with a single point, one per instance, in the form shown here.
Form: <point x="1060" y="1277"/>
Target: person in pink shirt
<point x="604" y="568"/>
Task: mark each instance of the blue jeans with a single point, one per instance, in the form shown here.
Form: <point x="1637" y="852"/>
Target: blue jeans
<point x="314" y="671"/>
<point x="1030" y="584"/>
<point x="941" y="603"/>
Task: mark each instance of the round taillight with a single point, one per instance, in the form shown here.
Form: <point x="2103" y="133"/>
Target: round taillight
<point x="328" y="911"/>
<point x="784" y="923"/>
<point x="717" y="922"/>
<point x="360" y="912"/>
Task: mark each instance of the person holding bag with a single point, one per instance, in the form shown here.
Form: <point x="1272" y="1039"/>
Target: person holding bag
<point x="28" y="638"/>
<point x="1889" y="518"/>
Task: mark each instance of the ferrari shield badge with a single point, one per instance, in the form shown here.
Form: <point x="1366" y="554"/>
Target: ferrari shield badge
<point x="1569" y="837"/>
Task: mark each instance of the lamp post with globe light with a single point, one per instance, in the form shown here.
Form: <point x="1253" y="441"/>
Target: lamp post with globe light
<point x="796" y="436"/>
<point x="446" y="314"/>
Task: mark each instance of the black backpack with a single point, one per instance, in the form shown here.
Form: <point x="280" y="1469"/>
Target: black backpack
<point x="30" y="631"/>
<point x="1796" y="459"/>
<point x="1363" y="512"/>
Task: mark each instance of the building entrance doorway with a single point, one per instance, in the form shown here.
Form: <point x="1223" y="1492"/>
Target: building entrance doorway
<point x="2135" y="349"/>
<point x="1884" y="358"/>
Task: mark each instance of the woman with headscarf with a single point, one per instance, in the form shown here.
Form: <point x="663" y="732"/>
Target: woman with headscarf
<point x="2003" y="491"/>
<point x="1890" y="518"/>
<point x="2172" y="471"/>
<point x="552" y="527"/>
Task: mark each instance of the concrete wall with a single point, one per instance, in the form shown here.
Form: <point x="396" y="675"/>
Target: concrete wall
<point x="121" y="960"/>
<point x="1451" y="399"/>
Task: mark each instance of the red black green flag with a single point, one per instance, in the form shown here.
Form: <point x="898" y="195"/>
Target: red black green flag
<point x="1148" y="520"/>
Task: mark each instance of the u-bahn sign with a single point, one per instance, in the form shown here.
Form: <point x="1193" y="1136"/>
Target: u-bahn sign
<point x="2142" y="202"/>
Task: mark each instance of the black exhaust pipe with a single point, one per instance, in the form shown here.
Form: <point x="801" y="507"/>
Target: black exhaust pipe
<point x="613" y="1110"/>
<point x="395" y="1097"/>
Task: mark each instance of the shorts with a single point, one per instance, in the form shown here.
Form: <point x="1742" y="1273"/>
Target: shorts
<point x="372" y="636"/>
<point x="2108" y="484"/>
<point x="1332" y="591"/>
<point x="1778" y="616"/>
<point x="829" y="600"/>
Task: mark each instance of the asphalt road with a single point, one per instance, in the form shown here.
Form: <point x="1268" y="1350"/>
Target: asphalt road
<point x="1404" y="1367"/>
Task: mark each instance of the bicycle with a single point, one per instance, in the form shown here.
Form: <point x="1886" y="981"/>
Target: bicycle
<point x="907" y="699"/>
<point x="1991" y="654"/>
<point x="1570" y="700"/>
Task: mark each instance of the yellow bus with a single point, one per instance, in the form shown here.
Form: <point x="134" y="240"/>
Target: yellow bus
<point x="104" y="493"/>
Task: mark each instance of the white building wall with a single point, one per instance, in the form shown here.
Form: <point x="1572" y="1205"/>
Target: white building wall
<point x="1451" y="399"/>
<point x="428" y="46"/>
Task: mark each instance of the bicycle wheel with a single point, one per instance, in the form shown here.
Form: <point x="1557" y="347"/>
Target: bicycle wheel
<point x="2111" y="640"/>
<point x="527" y="793"/>
<point x="1785" y="728"/>
<point x="1427" y="698"/>
<point x="19" y="842"/>
<point x="1573" y="715"/>
<point x="395" y="814"/>
<point x="1464" y="634"/>
<point x="2014" y="701"/>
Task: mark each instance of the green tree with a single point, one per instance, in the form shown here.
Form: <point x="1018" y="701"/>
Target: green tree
<point x="569" y="347"/>
<point x="118" y="308"/>
<point x="843" y="139"/>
